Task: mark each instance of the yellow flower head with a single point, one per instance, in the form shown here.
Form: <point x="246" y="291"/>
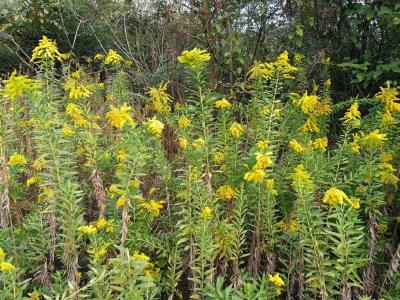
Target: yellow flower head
<point x="387" y="174"/>
<point x="194" y="59"/>
<point x="261" y="70"/>
<point x="17" y="160"/>
<point x="88" y="229"/>
<point x="372" y="140"/>
<point x="76" y="88"/>
<point x="66" y="131"/>
<point x="198" y="143"/>
<point x="263" y="144"/>
<point x="183" y="122"/>
<point x="280" y="67"/>
<point x="118" y="117"/>
<point x="219" y="157"/>
<point x="255" y="176"/>
<point x="352" y="115"/>
<point x="334" y="196"/>
<point x="226" y="192"/>
<point x="47" y="50"/>
<point x="113" y="58"/>
<point x="6" y="266"/>
<point x="155" y="126"/>
<point x="276" y="280"/>
<point x="122" y="201"/>
<point x="236" y="129"/>
<point x="153" y="207"/>
<point x="140" y="256"/>
<point x="159" y="98"/>
<point x="307" y="103"/>
<point x="354" y="202"/>
<point x="183" y="143"/>
<point x="263" y="160"/>
<point x="222" y="104"/>
<point x="31" y="181"/>
<point x="290" y="225"/>
<point x="17" y="86"/>
<point x="206" y="213"/>
<point x="297" y="147"/>
<point x="320" y="143"/>
<point x="301" y="178"/>
<point x="2" y="254"/>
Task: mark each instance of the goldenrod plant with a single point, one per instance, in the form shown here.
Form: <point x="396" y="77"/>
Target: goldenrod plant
<point x="110" y="192"/>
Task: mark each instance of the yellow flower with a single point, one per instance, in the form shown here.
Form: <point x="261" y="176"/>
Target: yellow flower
<point x="17" y="160"/>
<point x="226" y="192"/>
<point x="155" y="127"/>
<point x="34" y="295"/>
<point x="17" y="86"/>
<point x="270" y="186"/>
<point x="290" y="225"/>
<point x="183" y="143"/>
<point x="236" y="129"/>
<point x="354" y="202"/>
<point x="281" y="67"/>
<point x="263" y="160"/>
<point x="121" y="155"/>
<point x="387" y="174"/>
<point x="334" y="196"/>
<point x="153" y="207"/>
<point x="374" y="139"/>
<point x="183" y="122"/>
<point x="2" y="254"/>
<point x="311" y="125"/>
<point x="47" y="50"/>
<point x="31" y="181"/>
<point x="307" y="103"/>
<point x="278" y="292"/>
<point x="276" y="280"/>
<point x="67" y="131"/>
<point x="159" y="97"/>
<point x="263" y="144"/>
<point x="296" y="146"/>
<point x="198" y="143"/>
<point x="118" y="117"/>
<point x="206" y="213"/>
<point x="122" y="201"/>
<point x="222" y="104"/>
<point x="301" y="178"/>
<point x="140" y="256"/>
<point x="6" y="266"/>
<point x="352" y="115"/>
<point x="255" y="176"/>
<point x="76" y="88"/>
<point x="389" y="96"/>
<point x="320" y="143"/>
<point x="88" y="229"/>
<point x="99" y="56"/>
<point x="113" y="58"/>
<point x="194" y="59"/>
<point x="261" y="70"/>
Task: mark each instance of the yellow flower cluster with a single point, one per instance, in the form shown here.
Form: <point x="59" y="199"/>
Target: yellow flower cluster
<point x="263" y="144"/>
<point x="75" y="113"/>
<point x="47" y="51"/>
<point x="18" y="85"/>
<point x="5" y="266"/>
<point x="76" y="88"/>
<point x="45" y="192"/>
<point x="290" y="226"/>
<point x="206" y="213"/>
<point x="307" y="103"/>
<point x="31" y="181"/>
<point x="16" y="160"/>
<point x="270" y="186"/>
<point x="256" y="176"/>
<point x="226" y="192"/>
<point x="236" y="130"/>
<point x="153" y="207"/>
<point x="198" y="143"/>
<point x="159" y="98"/>
<point x="88" y="229"/>
<point x="335" y="196"/>
<point x="296" y="146"/>
<point x="387" y="173"/>
<point x="370" y="141"/>
<point x="183" y="122"/>
<point x="155" y="126"/>
<point x="222" y="104"/>
<point x="281" y="67"/>
<point x="276" y="280"/>
<point x="301" y="178"/>
<point x="352" y="116"/>
<point x="183" y="143"/>
<point x="103" y="223"/>
<point x="194" y="59"/>
<point x="319" y="143"/>
<point x="263" y="160"/>
<point x="113" y="58"/>
<point x="389" y="96"/>
<point x="118" y="117"/>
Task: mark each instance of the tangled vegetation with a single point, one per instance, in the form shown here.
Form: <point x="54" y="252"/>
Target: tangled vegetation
<point x="108" y="192"/>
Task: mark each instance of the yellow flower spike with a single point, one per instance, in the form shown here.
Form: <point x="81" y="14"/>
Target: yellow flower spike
<point x="17" y="160"/>
<point x="263" y="144"/>
<point x="307" y="103"/>
<point x="67" y="131"/>
<point x="219" y="157"/>
<point x="226" y="192"/>
<point x="297" y="147"/>
<point x="352" y="115"/>
<point x="236" y="130"/>
<point x="198" y="143"/>
<point x="88" y="229"/>
<point x="34" y="295"/>
<point x="113" y="58"/>
<point x="2" y="254"/>
<point x="99" y="56"/>
<point x="194" y="59"/>
<point x="183" y="122"/>
<point x="206" y="213"/>
<point x="31" y="181"/>
<point x="301" y="178"/>
<point x="255" y="176"/>
<point x="276" y="280"/>
<point x="222" y="104"/>
<point x="47" y="51"/>
<point x="159" y="97"/>
<point x="263" y="160"/>
<point x="320" y="143"/>
<point x="183" y="143"/>
<point x="140" y="256"/>
<point x="76" y="88"/>
<point x="354" y="202"/>
<point x="335" y="196"/>
<point x="153" y="207"/>
<point x="6" y="266"/>
<point x="17" y="86"/>
<point x="118" y="117"/>
<point x="122" y="201"/>
<point x="155" y="127"/>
